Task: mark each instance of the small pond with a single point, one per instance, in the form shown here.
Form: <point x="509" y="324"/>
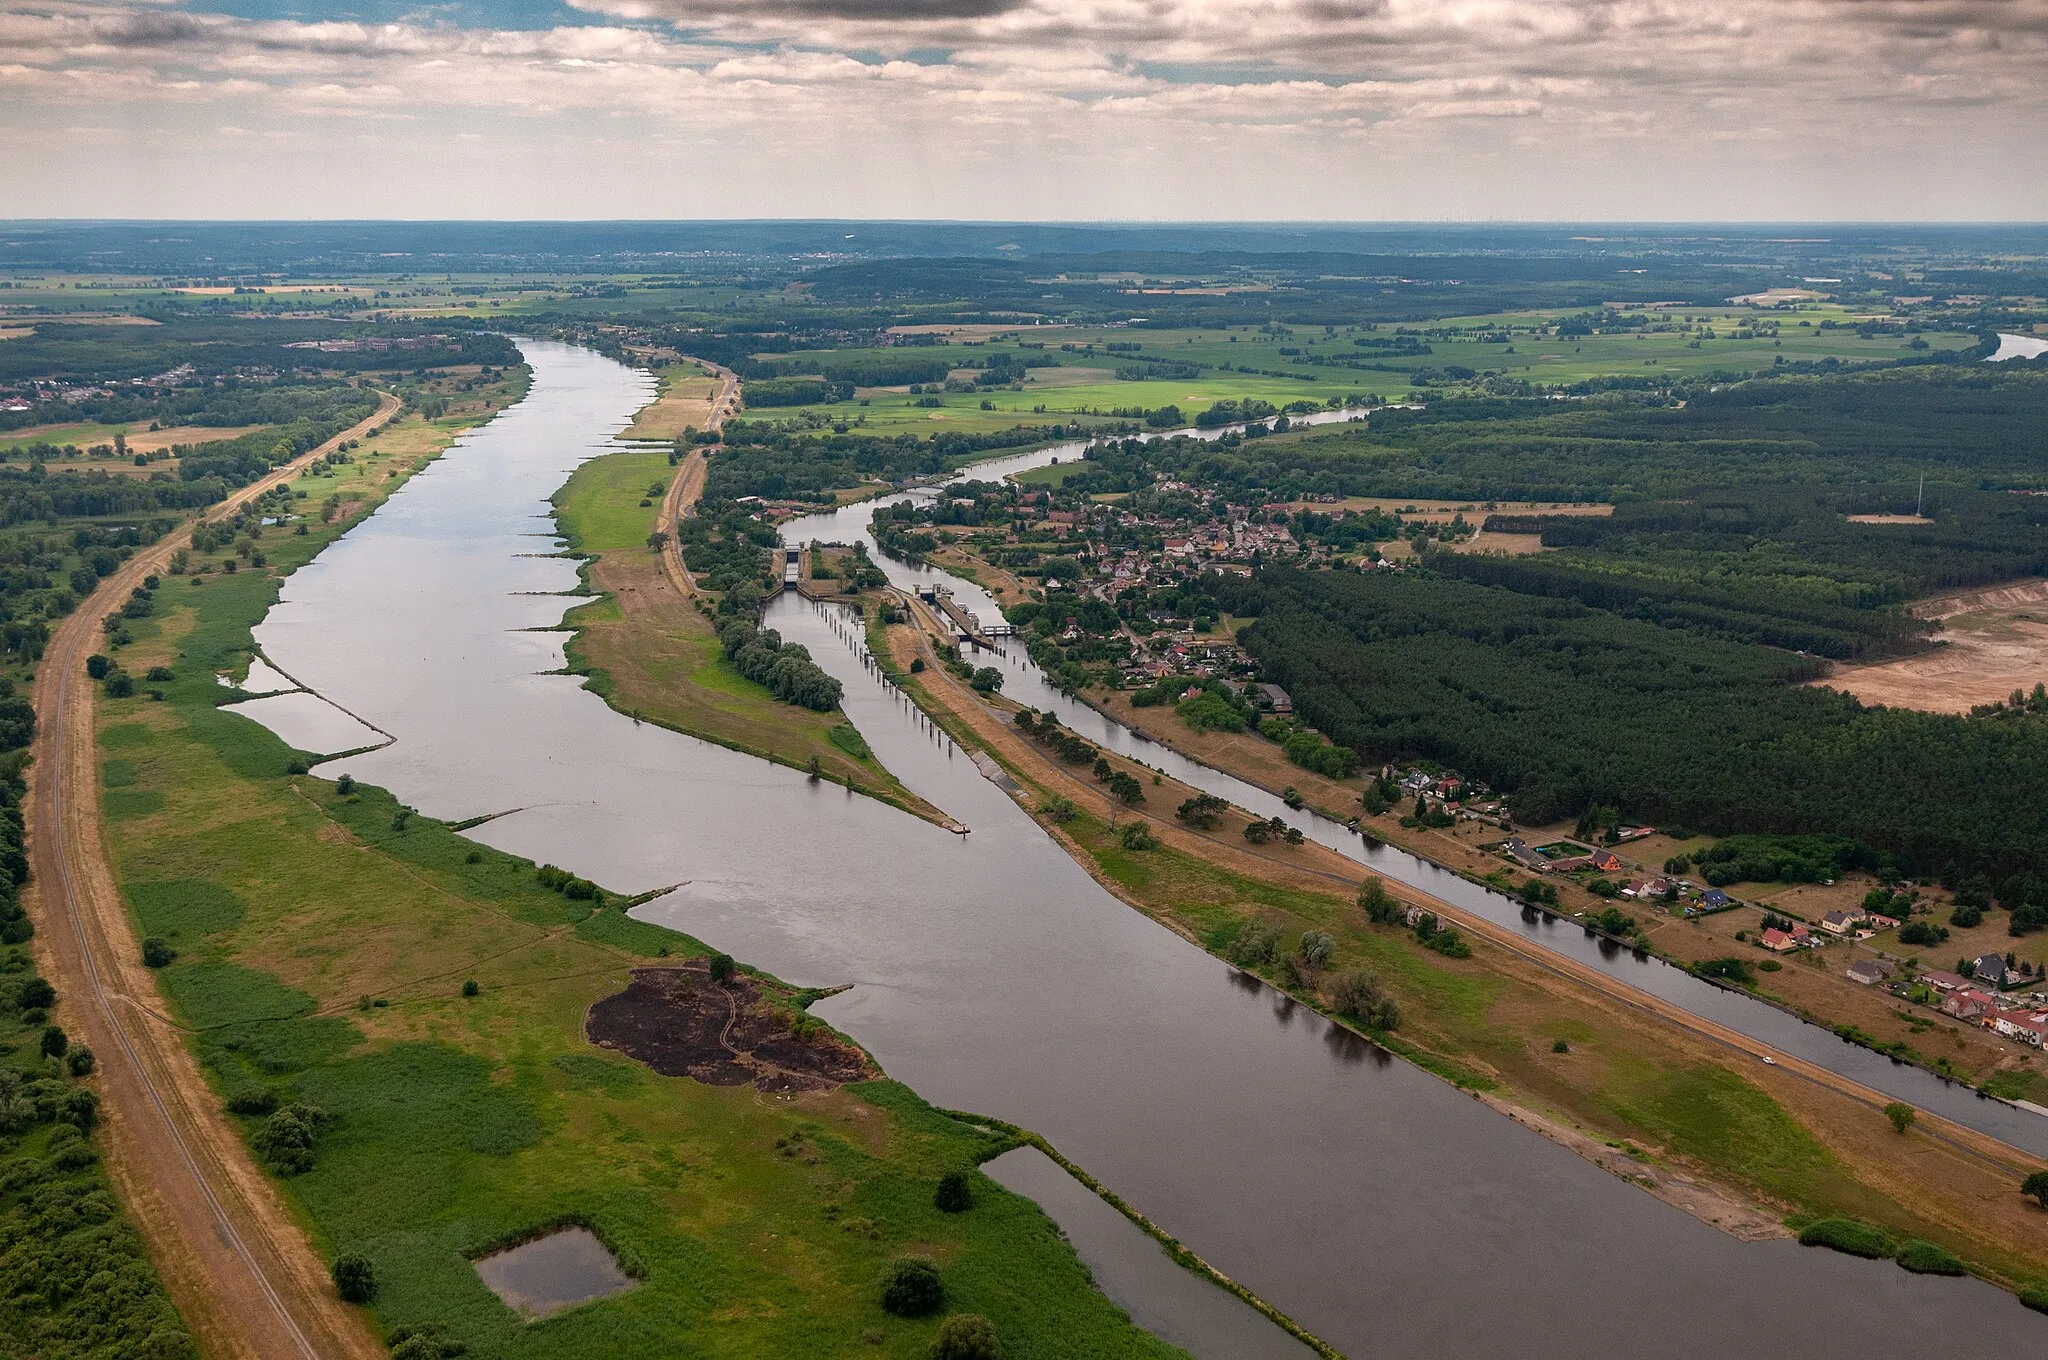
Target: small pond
<point x="548" y="1274"/>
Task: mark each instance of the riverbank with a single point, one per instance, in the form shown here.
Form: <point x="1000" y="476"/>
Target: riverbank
<point x="1729" y="1134"/>
<point x="325" y="938"/>
<point x="650" y="651"/>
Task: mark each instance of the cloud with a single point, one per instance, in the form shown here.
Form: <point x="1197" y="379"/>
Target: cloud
<point x="1111" y="103"/>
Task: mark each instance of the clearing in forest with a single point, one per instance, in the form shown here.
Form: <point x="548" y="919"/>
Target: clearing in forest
<point x="1992" y="642"/>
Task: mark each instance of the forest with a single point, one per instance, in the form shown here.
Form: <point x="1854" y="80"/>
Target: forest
<point x="1565" y="707"/>
<point x="219" y="347"/>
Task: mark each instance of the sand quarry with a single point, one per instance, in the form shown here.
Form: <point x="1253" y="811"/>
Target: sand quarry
<point x="1992" y="642"/>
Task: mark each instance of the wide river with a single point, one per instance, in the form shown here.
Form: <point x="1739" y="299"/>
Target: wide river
<point x="1388" y="1212"/>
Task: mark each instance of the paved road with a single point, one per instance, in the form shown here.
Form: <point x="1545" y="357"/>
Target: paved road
<point x="243" y="1275"/>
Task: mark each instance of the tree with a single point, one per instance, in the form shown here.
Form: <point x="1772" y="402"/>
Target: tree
<point x="80" y="1060"/>
<point x="966" y="1336"/>
<point x="36" y="994"/>
<point x="955" y="1194"/>
<point x="1315" y="948"/>
<point x="1355" y="991"/>
<point x="912" y="1288"/>
<point x="97" y="666"/>
<point x="1202" y="810"/>
<point x="1137" y="836"/>
<point x="987" y="680"/>
<point x="156" y="953"/>
<point x="1256" y="943"/>
<point x="1901" y="1114"/>
<point x="54" y="1041"/>
<point x="355" y="1279"/>
<point x="1058" y="809"/>
<point x="469" y="988"/>
<point x="2036" y="1184"/>
<point x="1376" y="902"/>
<point x="721" y="968"/>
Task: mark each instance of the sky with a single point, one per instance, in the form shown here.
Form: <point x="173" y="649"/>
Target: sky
<point x="1147" y="110"/>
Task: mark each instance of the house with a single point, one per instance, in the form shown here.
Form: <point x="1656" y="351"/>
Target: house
<point x="1606" y="861"/>
<point x="1713" y="899"/>
<point x="1965" y="1003"/>
<point x="1869" y="972"/>
<point x="1990" y="969"/>
<point x="1778" y="942"/>
<point x="1518" y="850"/>
<point x="1838" y="922"/>
<point x="2027" y="1029"/>
<point x="1275" y="698"/>
<point x="1571" y="864"/>
<point x="1878" y="921"/>
<point x="1945" y="982"/>
<point x="1655" y="887"/>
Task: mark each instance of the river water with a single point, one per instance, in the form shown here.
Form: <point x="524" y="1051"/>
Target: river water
<point x="1388" y="1212"/>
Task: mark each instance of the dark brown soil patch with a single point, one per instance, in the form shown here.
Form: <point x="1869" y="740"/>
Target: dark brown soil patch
<point x="682" y="1024"/>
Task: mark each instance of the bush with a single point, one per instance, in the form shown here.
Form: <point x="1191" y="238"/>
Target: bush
<point x="1924" y="932"/>
<point x="260" y="1100"/>
<point x="966" y="1336"/>
<point x="355" y="1279"/>
<point x="35" y="994"/>
<point x="54" y="1041"/>
<point x="1901" y="1115"/>
<point x="1926" y="1258"/>
<point x="955" y="1194"/>
<point x="156" y="953"/>
<point x="1355" y="992"/>
<point x="1727" y="970"/>
<point x="97" y="666"/>
<point x="1847" y="1235"/>
<point x="469" y="988"/>
<point x="2035" y="1298"/>
<point x="912" y="1288"/>
<point x="1560" y="1046"/>
<point x="120" y="684"/>
<point x="1315" y="947"/>
<point x="1962" y="918"/>
<point x="1137" y="836"/>
<point x="424" y="1341"/>
<point x="286" y="1139"/>
<point x="80" y="1061"/>
<point x="1257" y="943"/>
<point x="721" y="968"/>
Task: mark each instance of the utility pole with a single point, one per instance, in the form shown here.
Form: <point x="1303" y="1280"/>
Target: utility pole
<point x="1920" y="502"/>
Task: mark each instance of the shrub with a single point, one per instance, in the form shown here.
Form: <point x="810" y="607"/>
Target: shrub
<point x="1962" y="918"/>
<point x="1901" y="1114"/>
<point x="1847" y="1235"/>
<point x="54" y="1041"/>
<point x="2036" y="1185"/>
<point x="1923" y="932"/>
<point x="955" y="1194"/>
<point x="1137" y="836"/>
<point x="1727" y="970"/>
<point x="1257" y="943"/>
<point x="1355" y="992"/>
<point x="120" y="684"/>
<point x="355" y="1279"/>
<point x="912" y="1288"/>
<point x="424" y="1341"/>
<point x="469" y="988"/>
<point x="156" y="953"/>
<point x="1058" y="809"/>
<point x="1315" y="947"/>
<point x="259" y="1100"/>
<point x="721" y="968"/>
<point x="345" y="785"/>
<point x="80" y="1060"/>
<point x="966" y="1336"/>
<point x="97" y="666"/>
<point x="2035" y="1298"/>
<point x="159" y="675"/>
<point x="1560" y="1046"/>
<point x="1927" y="1258"/>
<point x="286" y="1139"/>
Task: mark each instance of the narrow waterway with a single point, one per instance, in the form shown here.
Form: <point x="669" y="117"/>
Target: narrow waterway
<point x="1388" y="1212"/>
<point x="1025" y="683"/>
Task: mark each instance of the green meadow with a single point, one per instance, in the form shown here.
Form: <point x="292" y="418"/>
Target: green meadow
<point x="322" y="943"/>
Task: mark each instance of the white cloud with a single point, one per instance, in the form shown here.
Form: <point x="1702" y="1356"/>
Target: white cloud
<point x="1063" y="107"/>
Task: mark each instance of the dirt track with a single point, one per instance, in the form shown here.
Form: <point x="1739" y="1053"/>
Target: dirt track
<point x="243" y="1275"/>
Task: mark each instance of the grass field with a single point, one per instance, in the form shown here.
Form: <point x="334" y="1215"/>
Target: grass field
<point x="321" y="956"/>
<point x="651" y="653"/>
<point x="684" y="404"/>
